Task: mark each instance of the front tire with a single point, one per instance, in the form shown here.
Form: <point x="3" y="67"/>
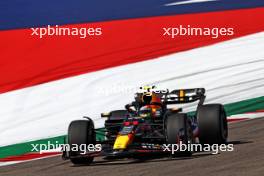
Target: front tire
<point x="80" y="132"/>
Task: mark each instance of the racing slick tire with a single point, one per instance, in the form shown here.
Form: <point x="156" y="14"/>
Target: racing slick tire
<point x="212" y="124"/>
<point x="80" y="132"/>
<point x="177" y="128"/>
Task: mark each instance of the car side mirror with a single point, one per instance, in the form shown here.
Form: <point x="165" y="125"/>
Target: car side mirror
<point x="106" y="114"/>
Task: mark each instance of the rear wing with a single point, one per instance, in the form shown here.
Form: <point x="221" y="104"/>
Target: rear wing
<point x="184" y="96"/>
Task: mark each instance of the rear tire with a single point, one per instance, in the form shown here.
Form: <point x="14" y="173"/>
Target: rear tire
<point x="178" y="129"/>
<point x="80" y="132"/>
<point x="212" y="124"/>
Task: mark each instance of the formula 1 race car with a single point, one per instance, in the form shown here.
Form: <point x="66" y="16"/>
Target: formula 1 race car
<point x="147" y="123"/>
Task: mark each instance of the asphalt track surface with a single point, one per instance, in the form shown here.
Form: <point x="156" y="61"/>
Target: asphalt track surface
<point x="247" y="159"/>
